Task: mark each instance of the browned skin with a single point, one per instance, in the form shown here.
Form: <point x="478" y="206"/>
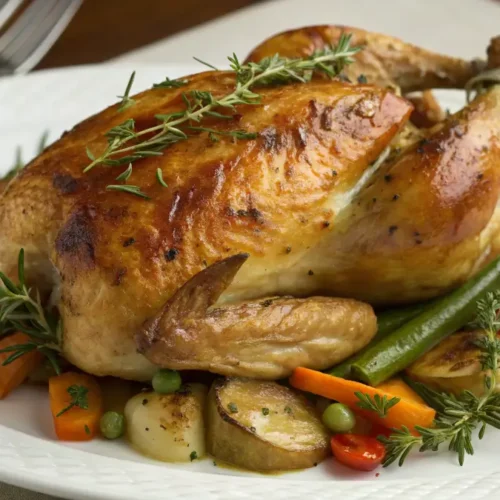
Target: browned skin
<point x="427" y="220"/>
<point x="120" y="258"/>
<point x="385" y="60"/>
<point x="291" y="199"/>
<point x="264" y="338"/>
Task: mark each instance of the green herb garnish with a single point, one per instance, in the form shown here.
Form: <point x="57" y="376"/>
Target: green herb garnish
<point x="21" y="310"/>
<point x="127" y="101"/>
<point x="265" y="411"/>
<point x="232" y="407"/>
<point x="79" y="398"/>
<point x="169" y="84"/>
<point x="193" y="456"/>
<point x="159" y="178"/>
<point x="127" y="188"/>
<point x="377" y="404"/>
<point x="126" y="144"/>
<point x="457" y="416"/>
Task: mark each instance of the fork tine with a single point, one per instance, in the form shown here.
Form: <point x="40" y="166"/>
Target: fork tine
<point x="31" y="36"/>
<point x="7" y="8"/>
<point x="24" y="25"/>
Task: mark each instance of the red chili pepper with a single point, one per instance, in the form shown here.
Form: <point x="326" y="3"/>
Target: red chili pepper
<point x="358" y="452"/>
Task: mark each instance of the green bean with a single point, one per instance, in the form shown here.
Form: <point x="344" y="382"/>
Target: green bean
<point x="387" y="322"/>
<point x="406" y="344"/>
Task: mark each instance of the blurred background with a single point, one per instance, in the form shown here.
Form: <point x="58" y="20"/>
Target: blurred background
<point x="155" y="31"/>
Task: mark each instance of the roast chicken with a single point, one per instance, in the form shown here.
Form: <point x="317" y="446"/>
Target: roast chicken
<point x="235" y="266"/>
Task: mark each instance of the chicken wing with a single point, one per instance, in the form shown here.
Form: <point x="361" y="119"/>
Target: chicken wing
<point x="265" y="338"/>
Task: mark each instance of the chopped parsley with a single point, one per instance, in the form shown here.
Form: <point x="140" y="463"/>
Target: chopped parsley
<point x="79" y="398"/>
<point x="193" y="456"/>
<point x="265" y="411"/>
<point x="232" y="407"/>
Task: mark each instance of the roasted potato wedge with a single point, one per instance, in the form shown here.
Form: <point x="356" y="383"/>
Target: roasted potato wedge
<point x="452" y="366"/>
<point x="263" y="426"/>
<point x="168" y="427"/>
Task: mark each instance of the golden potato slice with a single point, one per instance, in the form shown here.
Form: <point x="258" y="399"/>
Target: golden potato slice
<point x="263" y="426"/>
<point x="452" y="366"/>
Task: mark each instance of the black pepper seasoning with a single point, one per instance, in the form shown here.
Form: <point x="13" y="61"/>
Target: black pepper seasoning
<point x="171" y="254"/>
<point x="392" y="229"/>
<point x="128" y="242"/>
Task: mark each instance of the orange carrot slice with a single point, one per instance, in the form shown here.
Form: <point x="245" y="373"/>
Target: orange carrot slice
<point x="407" y="412"/>
<point x="14" y="374"/>
<point x="76" y="406"/>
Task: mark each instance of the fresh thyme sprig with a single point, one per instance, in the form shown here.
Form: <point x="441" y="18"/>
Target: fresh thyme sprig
<point x="127" y="101"/>
<point x="377" y="404"/>
<point x="19" y="311"/>
<point x="169" y="84"/>
<point x="126" y="144"/>
<point x="128" y="188"/>
<point x="79" y="398"/>
<point x="457" y="416"/>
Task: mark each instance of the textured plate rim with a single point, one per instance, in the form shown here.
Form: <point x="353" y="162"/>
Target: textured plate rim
<point x="80" y="474"/>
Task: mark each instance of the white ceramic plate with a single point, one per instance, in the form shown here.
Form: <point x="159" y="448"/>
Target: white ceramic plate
<point x="31" y="457"/>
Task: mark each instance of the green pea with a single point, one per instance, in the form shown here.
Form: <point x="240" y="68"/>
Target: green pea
<point x="339" y="418"/>
<point x="112" y="425"/>
<point x="166" y="381"/>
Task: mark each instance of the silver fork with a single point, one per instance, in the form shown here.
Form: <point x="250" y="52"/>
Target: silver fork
<point x="32" y="34"/>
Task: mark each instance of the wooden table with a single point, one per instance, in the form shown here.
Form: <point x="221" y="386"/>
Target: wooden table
<point x="102" y="29"/>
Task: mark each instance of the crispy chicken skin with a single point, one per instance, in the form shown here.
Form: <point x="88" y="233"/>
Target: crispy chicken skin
<point x="265" y="338"/>
<point x="115" y="259"/>
<point x="384" y="60"/>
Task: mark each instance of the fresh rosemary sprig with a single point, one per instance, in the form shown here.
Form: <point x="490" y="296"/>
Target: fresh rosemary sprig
<point x="127" y="101"/>
<point x="19" y="311"/>
<point x="127" y="188"/>
<point x="457" y="416"/>
<point x="126" y="144"/>
<point x="377" y="404"/>
<point x="159" y="178"/>
<point x="79" y="398"/>
<point x="169" y="84"/>
<point x="125" y="175"/>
